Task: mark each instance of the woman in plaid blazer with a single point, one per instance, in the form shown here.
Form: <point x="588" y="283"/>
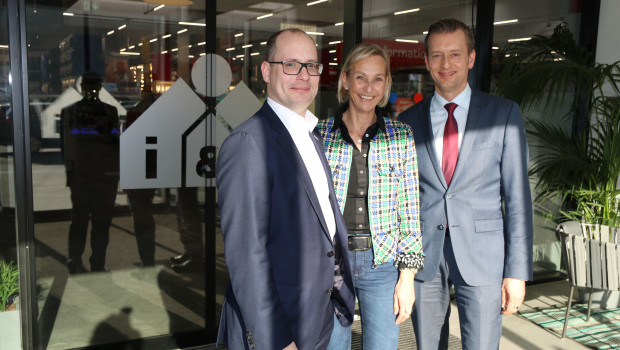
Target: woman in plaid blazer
<point x="373" y="163"/>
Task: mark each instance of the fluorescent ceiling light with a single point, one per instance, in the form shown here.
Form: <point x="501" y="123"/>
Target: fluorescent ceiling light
<point x="153" y="40"/>
<point x="230" y="49"/>
<point x="315" y="2"/>
<point x="254" y="54"/>
<point x="139" y="44"/>
<point x="339" y="24"/>
<point x="425" y="32"/>
<point x="122" y="27"/>
<point x="193" y="24"/>
<point x="407" y="41"/>
<point x="505" y="22"/>
<point x="182" y="31"/>
<point x="239" y="56"/>
<point x="189" y="46"/>
<point x="406" y="11"/>
<point x="110" y="32"/>
<point x="131" y="47"/>
<point x="238" y="35"/>
<point x="315" y="33"/>
<point x="67" y="14"/>
<point x="201" y="43"/>
<point x="123" y="49"/>
<point x="263" y="43"/>
<point x="159" y="7"/>
<point x="163" y="52"/>
<point x="333" y="64"/>
<point x="265" y="16"/>
<point x="166" y="36"/>
<point x="519" y="39"/>
<point x="4" y="46"/>
<point x="332" y="51"/>
<point x="335" y="42"/>
<point x="130" y="53"/>
<point x="495" y="47"/>
<point x="175" y="49"/>
<point x="246" y="46"/>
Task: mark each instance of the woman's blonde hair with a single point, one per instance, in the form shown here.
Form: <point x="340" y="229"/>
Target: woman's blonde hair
<point x="360" y="52"/>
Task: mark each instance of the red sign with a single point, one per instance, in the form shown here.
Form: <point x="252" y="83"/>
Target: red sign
<point x="401" y="54"/>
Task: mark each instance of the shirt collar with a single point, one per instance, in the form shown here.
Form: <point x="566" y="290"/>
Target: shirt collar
<point x="343" y="108"/>
<point x="292" y="120"/>
<point x="462" y="100"/>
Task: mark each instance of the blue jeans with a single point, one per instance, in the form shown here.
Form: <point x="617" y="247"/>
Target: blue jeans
<point x="374" y="288"/>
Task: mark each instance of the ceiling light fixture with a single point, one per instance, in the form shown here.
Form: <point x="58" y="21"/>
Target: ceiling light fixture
<point x="407" y="41"/>
<point x="335" y="42"/>
<point x="69" y="14"/>
<point x="246" y="46"/>
<point x="130" y="53"/>
<point x="505" y="22"/>
<point x="122" y="27"/>
<point x="182" y="31"/>
<point x="170" y="2"/>
<point x="238" y="35"/>
<point x="166" y="36"/>
<point x="265" y="16"/>
<point x="406" y="11"/>
<point x="315" y="2"/>
<point x="315" y="33"/>
<point x="519" y="39"/>
<point x="159" y="7"/>
<point x="339" y="24"/>
<point x="193" y="24"/>
<point x="110" y="32"/>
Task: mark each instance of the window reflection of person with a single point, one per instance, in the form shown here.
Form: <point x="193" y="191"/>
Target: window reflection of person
<point x="90" y="141"/>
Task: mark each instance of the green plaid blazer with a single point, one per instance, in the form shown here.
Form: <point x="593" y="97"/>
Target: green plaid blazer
<point x="393" y="197"/>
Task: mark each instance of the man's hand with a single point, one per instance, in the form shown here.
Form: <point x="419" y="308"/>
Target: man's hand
<point x="291" y="346"/>
<point x="404" y="296"/>
<point x="513" y="293"/>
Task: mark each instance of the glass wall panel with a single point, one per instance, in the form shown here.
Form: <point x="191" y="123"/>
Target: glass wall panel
<point x="519" y="21"/>
<point x="118" y="131"/>
<point x="123" y="154"/>
<point x="399" y="26"/>
<point x="9" y="282"/>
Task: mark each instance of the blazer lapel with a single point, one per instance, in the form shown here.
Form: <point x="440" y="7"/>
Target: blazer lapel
<point x="430" y="145"/>
<point x="298" y="166"/>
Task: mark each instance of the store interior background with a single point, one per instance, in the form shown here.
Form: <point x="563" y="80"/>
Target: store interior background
<point x="139" y="47"/>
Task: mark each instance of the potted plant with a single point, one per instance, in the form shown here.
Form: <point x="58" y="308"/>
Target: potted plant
<point x="9" y="315"/>
<point x="577" y="166"/>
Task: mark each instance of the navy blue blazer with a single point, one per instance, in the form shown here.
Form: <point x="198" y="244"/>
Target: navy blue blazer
<point x="488" y="204"/>
<point x="279" y="253"/>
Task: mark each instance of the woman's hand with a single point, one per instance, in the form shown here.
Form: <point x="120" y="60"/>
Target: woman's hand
<point x="404" y="296"/>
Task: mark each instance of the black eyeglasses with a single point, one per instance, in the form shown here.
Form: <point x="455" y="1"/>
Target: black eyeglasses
<point x="294" y="67"/>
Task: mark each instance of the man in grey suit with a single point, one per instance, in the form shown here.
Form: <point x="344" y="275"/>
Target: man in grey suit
<point x="284" y="237"/>
<point x="475" y="199"/>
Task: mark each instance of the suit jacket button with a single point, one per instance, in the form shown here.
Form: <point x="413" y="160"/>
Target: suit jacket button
<point x="440" y="227"/>
<point x="330" y="253"/>
<point x="329" y="291"/>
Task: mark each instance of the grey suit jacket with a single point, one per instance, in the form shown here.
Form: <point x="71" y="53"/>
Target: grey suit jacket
<point x="278" y="250"/>
<point x="488" y="204"/>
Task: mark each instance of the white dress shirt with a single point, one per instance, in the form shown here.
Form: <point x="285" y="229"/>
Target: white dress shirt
<point x="439" y="115"/>
<point x="299" y="128"/>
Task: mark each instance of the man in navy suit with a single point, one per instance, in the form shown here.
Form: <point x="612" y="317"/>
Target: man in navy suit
<point x="476" y="206"/>
<point x="284" y="237"/>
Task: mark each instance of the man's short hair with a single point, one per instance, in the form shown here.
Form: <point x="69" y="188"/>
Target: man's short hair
<point x="360" y="52"/>
<point x="270" y="48"/>
<point x="450" y="25"/>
